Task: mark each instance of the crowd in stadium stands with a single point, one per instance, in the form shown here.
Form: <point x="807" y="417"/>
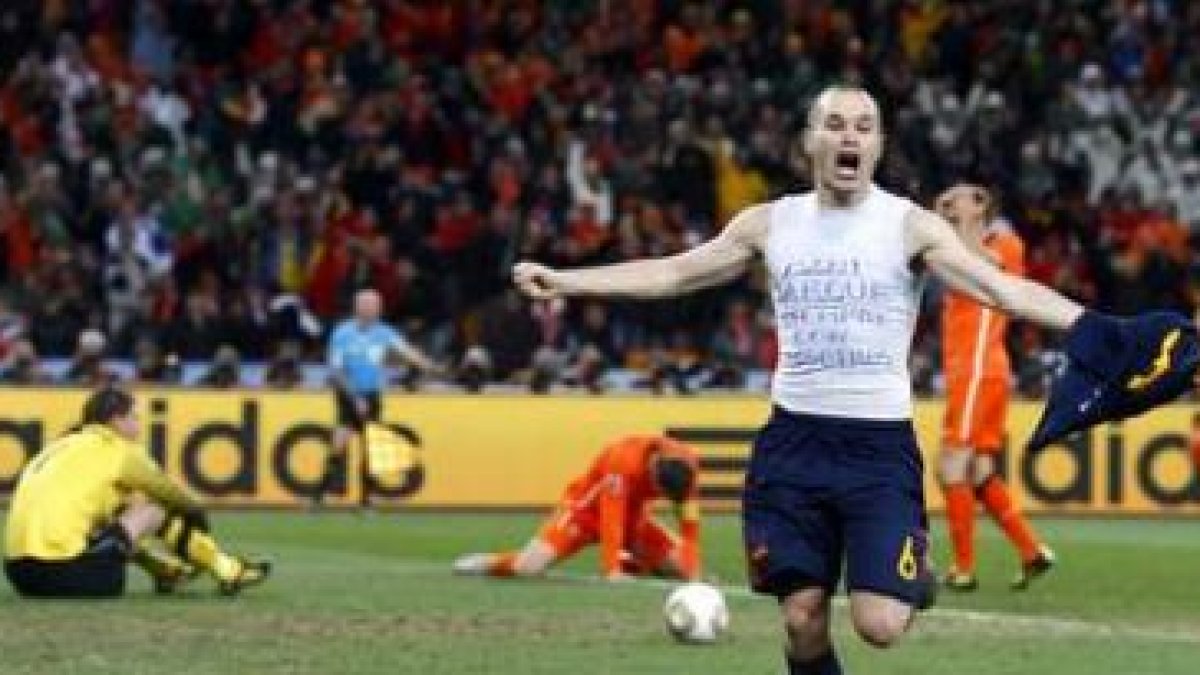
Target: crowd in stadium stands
<point x="209" y="180"/>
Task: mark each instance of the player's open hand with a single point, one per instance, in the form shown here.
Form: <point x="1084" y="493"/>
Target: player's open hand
<point x="536" y="281"/>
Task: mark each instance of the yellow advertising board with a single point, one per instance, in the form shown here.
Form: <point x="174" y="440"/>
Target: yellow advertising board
<point x="251" y="448"/>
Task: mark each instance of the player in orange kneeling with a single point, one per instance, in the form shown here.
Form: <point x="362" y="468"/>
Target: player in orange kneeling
<point x="611" y="505"/>
<point x="977" y="390"/>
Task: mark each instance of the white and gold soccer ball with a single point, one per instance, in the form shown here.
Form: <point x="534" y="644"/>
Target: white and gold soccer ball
<point x="696" y="613"/>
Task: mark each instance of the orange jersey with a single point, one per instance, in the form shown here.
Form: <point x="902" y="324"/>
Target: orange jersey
<point x="975" y="360"/>
<point x="618" y="490"/>
<point x="973" y="335"/>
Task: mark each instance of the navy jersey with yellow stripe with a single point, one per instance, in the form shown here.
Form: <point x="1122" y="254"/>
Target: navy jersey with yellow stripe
<point x="76" y="485"/>
<point x="1117" y="368"/>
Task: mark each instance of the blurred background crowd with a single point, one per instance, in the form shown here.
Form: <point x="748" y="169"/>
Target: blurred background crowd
<point x="191" y="190"/>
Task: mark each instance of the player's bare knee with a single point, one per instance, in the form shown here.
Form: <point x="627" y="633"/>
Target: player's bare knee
<point x="142" y="518"/>
<point x="156" y="515"/>
<point x="881" y="629"/>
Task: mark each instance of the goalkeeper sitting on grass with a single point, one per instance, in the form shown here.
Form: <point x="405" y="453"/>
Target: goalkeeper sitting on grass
<point x="611" y="505"/>
<point x="93" y="500"/>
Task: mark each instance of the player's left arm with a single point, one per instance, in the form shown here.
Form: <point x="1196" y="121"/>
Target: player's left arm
<point x="137" y="472"/>
<point x="933" y="242"/>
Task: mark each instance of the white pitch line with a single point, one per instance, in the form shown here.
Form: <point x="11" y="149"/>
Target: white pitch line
<point x="1031" y="622"/>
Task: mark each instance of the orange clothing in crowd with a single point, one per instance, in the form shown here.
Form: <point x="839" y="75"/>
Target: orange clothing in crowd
<point x="611" y="504"/>
<point x="974" y="357"/>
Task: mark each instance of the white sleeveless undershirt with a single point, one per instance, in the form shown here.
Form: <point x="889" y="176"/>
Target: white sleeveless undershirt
<point x="845" y="302"/>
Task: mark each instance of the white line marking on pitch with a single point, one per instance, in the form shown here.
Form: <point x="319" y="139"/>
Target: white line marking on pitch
<point x="1032" y="622"/>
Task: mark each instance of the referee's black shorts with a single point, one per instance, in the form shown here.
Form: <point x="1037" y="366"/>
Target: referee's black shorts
<point x="98" y="572"/>
<point x="347" y="411"/>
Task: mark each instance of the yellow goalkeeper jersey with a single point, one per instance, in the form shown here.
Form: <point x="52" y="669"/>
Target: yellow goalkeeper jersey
<point x="76" y="485"/>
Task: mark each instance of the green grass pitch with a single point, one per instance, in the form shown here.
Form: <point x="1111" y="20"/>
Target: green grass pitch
<point x="373" y="594"/>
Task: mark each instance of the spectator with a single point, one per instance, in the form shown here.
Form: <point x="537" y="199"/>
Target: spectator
<point x="736" y="345"/>
<point x="152" y="366"/>
<point x="475" y="370"/>
<point x="1098" y="103"/>
<point x="272" y="157"/>
<point x="1186" y="195"/>
<point x="285" y="370"/>
<point x="738" y="183"/>
<point x="685" y="173"/>
<point x="135" y="256"/>
<point x="589" y="187"/>
<point x="55" y="324"/>
<point x="87" y="367"/>
<point x="13" y="326"/>
<point x="508" y="335"/>
<point x="196" y="332"/>
<point x="225" y="371"/>
<point x="22" y="366"/>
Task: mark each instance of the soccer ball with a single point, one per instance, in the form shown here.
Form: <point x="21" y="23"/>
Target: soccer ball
<point x="695" y="613"/>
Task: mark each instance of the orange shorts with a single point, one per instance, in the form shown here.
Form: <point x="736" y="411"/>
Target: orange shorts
<point x="975" y="416"/>
<point x="569" y="530"/>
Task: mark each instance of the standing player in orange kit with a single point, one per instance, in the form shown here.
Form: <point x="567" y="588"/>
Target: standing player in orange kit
<point x="611" y="505"/>
<point x="1194" y="439"/>
<point x="977" y="392"/>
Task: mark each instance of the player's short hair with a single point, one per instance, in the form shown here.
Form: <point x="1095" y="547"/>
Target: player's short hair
<point x="675" y="477"/>
<point x="106" y="404"/>
<point x="814" y="106"/>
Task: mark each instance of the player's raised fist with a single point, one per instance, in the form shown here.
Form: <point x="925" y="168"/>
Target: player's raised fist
<point x="536" y="281"/>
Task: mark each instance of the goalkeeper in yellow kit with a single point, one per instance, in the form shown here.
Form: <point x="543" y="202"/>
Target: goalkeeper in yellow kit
<point x="93" y="500"/>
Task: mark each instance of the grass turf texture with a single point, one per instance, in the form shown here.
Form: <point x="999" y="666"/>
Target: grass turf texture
<point x="356" y="594"/>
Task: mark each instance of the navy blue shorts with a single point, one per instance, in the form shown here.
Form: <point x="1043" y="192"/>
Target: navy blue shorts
<point x="825" y="491"/>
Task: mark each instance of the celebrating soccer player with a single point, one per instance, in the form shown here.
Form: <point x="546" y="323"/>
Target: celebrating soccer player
<point x="835" y="475"/>
<point x="610" y="505"/>
<point x="93" y="500"/>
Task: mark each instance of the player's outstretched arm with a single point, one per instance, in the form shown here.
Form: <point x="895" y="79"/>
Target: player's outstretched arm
<point x="931" y="240"/>
<point x="714" y="262"/>
<point x="414" y="356"/>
